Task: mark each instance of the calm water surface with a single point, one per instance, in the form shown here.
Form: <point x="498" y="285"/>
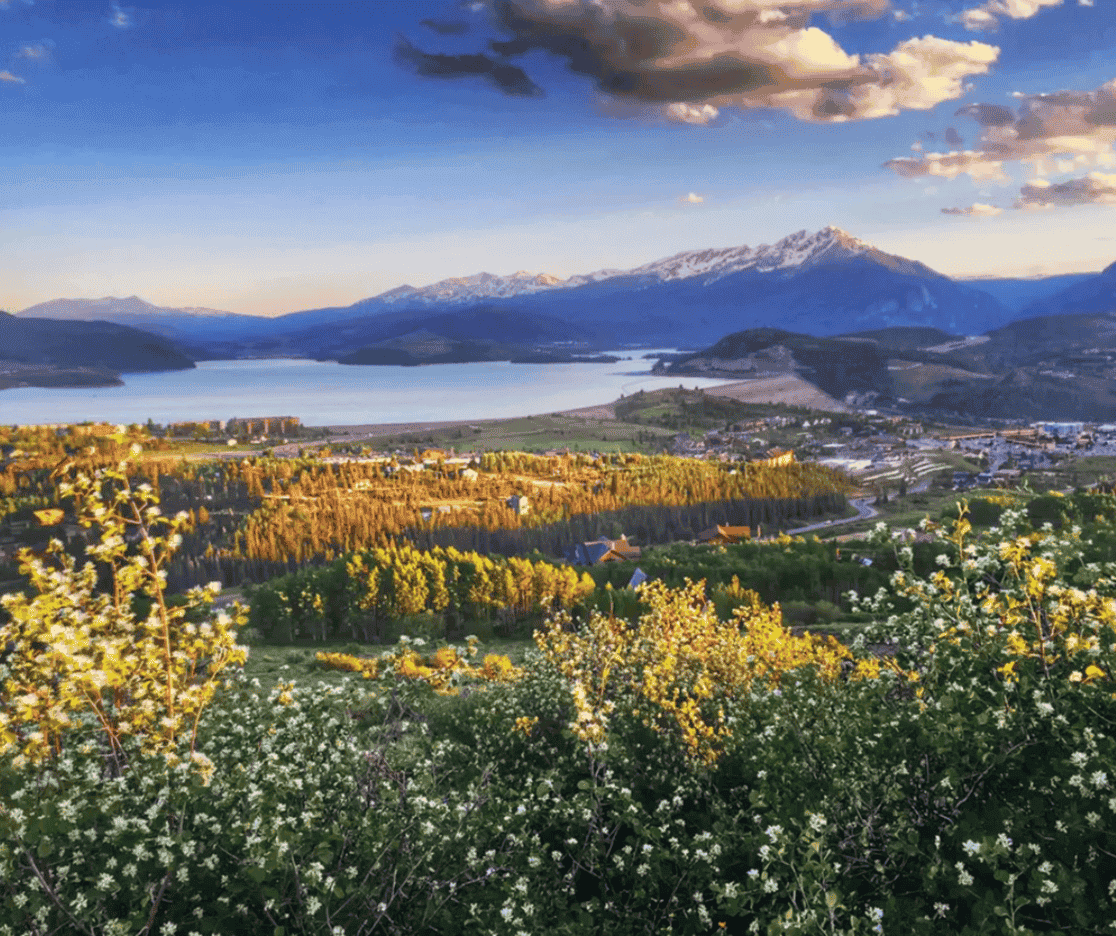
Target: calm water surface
<point x="323" y="393"/>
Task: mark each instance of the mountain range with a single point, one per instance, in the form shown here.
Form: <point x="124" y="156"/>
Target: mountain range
<point x="822" y="284"/>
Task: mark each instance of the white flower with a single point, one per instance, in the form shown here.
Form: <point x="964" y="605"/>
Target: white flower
<point x="971" y="847"/>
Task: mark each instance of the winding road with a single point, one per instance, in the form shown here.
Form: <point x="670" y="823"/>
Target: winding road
<point x="864" y="511"/>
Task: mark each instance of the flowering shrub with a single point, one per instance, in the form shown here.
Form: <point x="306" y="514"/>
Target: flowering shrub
<point x="679" y="664"/>
<point x="78" y="656"/>
<point x="444" y="670"/>
<point x="685" y="775"/>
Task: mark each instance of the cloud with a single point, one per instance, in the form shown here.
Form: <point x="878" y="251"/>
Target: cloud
<point x="510" y="79"/>
<point x="948" y="166"/>
<point x="446" y="27"/>
<point x="1052" y="132"/>
<point x="693" y="199"/>
<point x="36" y="51"/>
<point x="8" y="4"/>
<point x="988" y="15"/>
<point x="683" y="56"/>
<point x="1096" y="188"/>
<point x="120" y="18"/>
<point x="691" y="113"/>
<point x="8" y="77"/>
<point x="976" y="210"/>
<point x="953" y="138"/>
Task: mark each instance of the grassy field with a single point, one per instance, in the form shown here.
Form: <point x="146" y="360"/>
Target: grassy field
<point x="552" y="432"/>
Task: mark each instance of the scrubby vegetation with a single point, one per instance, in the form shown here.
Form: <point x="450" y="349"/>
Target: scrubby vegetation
<point x="698" y="769"/>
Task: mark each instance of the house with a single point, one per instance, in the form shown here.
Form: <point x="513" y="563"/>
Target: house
<point x="724" y="534"/>
<point x="519" y="503"/>
<point x="778" y="457"/>
<point x="604" y="550"/>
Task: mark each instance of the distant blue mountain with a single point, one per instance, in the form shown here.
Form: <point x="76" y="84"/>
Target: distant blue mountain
<point x="1092" y="293"/>
<point x="1019" y="294"/>
<point x="823" y="283"/>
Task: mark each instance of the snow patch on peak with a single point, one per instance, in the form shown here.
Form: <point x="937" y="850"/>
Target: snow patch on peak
<point x="794" y="251"/>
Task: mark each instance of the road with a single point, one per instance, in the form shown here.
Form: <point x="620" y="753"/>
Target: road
<point x="864" y="511"/>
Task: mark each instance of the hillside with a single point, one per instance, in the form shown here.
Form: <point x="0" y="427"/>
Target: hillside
<point x="65" y="345"/>
<point x="838" y="367"/>
<point x="1095" y="293"/>
<point x="1048" y="367"/>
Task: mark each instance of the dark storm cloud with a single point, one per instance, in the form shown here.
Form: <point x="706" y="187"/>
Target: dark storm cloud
<point x="953" y="138"/>
<point x="510" y="79"/>
<point x="686" y="59"/>
<point x="446" y="27"/>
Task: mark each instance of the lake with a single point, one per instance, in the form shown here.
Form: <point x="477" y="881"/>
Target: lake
<point x="325" y="393"/>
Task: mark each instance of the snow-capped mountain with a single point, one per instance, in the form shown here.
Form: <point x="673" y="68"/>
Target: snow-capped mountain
<point x="796" y="252"/>
<point x="825" y="282"/>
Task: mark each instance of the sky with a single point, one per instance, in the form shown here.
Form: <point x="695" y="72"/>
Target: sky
<point x="264" y="158"/>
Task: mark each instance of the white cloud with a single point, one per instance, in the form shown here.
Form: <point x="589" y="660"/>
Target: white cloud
<point x="688" y="55"/>
<point x="693" y="199"/>
<point x="10" y="78"/>
<point x="988" y="15"/>
<point x="975" y="210"/>
<point x="1096" y="188"/>
<point x="36" y="50"/>
<point x="691" y="113"/>
<point x="1046" y="131"/>
<point x="977" y="165"/>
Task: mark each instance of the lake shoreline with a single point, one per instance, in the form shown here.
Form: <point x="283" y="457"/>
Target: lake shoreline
<point x="328" y="394"/>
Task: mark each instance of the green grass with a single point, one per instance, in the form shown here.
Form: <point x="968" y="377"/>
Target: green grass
<point x="552" y="432"/>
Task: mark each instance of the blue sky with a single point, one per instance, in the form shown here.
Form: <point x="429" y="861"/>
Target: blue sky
<point x="265" y="158"/>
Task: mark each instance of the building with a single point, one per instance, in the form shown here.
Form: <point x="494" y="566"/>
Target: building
<point x="604" y="550"/>
<point x="724" y="534"/>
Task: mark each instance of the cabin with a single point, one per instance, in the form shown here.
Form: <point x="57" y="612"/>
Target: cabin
<point x="519" y="503"/>
<point x="777" y="458"/>
<point x="720" y="535"/>
<point x="604" y="550"/>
